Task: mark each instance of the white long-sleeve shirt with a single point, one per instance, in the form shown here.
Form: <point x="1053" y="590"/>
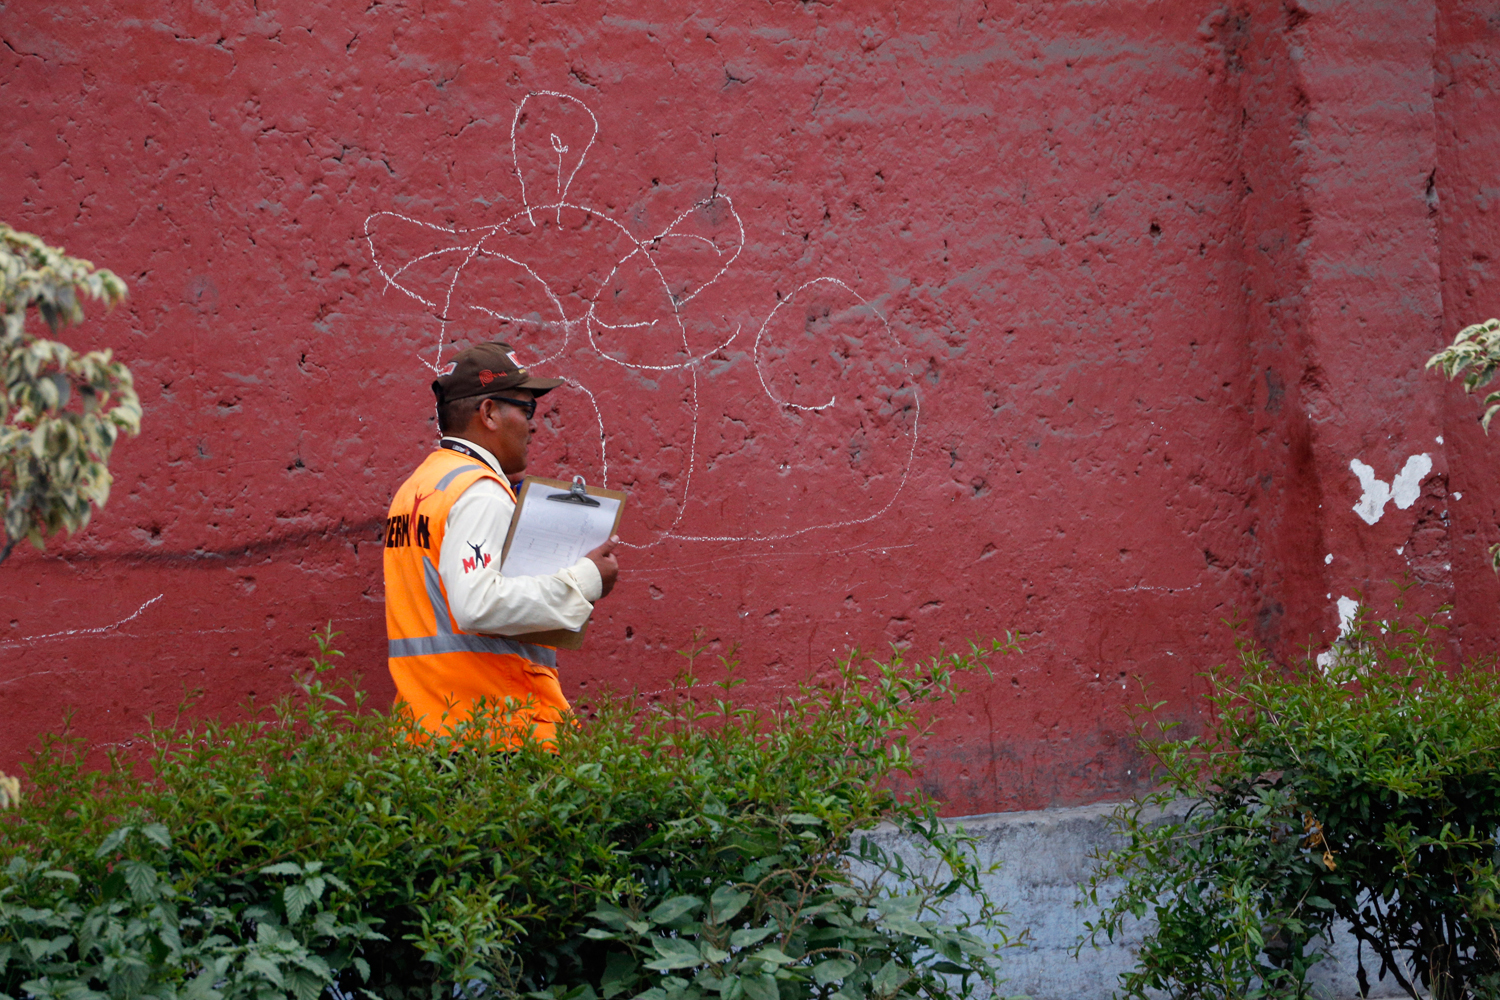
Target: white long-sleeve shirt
<point x="484" y="601"/>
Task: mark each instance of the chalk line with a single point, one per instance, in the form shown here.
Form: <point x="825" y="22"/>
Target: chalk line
<point x="30" y="640"/>
<point x="706" y="565"/>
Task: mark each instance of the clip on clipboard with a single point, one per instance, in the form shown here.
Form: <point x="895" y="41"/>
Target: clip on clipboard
<point x="577" y="493"/>
<point x="546" y="537"/>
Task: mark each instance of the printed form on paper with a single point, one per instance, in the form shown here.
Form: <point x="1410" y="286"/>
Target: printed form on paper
<point x="547" y="535"/>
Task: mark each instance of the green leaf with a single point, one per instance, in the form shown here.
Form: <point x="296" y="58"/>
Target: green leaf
<point x="113" y="841"/>
<point x="832" y="970"/>
<point x="141" y="878"/>
<point x="157" y="834"/>
<point x="899" y="906"/>
<point x="282" y="868"/>
<point x="674" y="908"/>
<point x="265" y="968"/>
<point x="746" y="936"/>
<point x="761" y="987"/>
<point x="773" y="955"/>
<point x="674" y="953"/>
<point x="306" y="985"/>
<point x="40" y="948"/>
<point x="201" y="987"/>
<point x="888" y="979"/>
<point x="905" y="925"/>
<point x="298" y="897"/>
<point x="726" y="902"/>
<point x="611" y="916"/>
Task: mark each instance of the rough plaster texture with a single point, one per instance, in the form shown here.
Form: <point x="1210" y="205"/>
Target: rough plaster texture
<point x="1155" y="275"/>
<point x="1044" y="856"/>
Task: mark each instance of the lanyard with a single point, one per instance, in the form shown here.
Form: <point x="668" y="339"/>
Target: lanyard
<point x="464" y="449"/>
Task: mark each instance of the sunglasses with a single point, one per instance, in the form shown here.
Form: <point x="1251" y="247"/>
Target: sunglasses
<point x="526" y="405"/>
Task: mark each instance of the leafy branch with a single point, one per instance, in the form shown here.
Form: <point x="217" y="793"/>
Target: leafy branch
<point x="1475" y="353"/>
<point x="61" y="411"/>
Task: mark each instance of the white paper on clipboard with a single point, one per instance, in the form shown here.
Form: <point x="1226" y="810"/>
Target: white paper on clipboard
<point x="547" y="535"/>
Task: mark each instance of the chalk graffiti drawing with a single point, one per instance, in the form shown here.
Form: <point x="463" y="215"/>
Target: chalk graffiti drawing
<point x="587" y="299"/>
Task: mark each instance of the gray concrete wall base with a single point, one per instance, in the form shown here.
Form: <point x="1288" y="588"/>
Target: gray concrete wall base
<point x="1043" y="858"/>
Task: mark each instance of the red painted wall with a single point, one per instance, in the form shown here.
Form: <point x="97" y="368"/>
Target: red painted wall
<point x="1125" y="289"/>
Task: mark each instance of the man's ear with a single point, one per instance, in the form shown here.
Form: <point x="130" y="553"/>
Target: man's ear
<point x="485" y="414"/>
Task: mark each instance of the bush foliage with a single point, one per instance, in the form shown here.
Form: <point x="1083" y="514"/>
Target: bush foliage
<point x="1475" y="354"/>
<point x="61" y="411"/>
<point x="675" y="851"/>
<point x="1368" y="793"/>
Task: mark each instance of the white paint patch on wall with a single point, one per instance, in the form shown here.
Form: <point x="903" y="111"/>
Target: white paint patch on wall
<point x="1348" y="607"/>
<point x="1372" y="502"/>
<point x="1407" y="486"/>
<point x="1404" y="489"/>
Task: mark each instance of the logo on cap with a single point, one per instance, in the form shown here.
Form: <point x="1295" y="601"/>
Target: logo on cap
<point x="512" y="356"/>
<point x="486" y="377"/>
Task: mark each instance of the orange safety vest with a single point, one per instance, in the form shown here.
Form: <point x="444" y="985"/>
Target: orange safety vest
<point x="441" y="672"/>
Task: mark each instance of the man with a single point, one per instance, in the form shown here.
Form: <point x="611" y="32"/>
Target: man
<point x="448" y="611"/>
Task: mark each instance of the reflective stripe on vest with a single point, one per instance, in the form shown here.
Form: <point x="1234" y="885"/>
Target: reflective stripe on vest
<point x="454" y="474"/>
<point x="449" y="641"/>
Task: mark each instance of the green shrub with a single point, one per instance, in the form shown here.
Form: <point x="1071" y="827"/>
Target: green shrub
<point x="1368" y="791"/>
<point x="679" y="850"/>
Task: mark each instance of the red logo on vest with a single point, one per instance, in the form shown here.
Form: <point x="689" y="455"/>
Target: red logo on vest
<point x="480" y="561"/>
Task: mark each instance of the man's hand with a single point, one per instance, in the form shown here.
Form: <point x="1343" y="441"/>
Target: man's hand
<point x="609" y="567"/>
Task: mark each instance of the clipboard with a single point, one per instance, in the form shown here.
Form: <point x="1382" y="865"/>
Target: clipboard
<point x="588" y="502"/>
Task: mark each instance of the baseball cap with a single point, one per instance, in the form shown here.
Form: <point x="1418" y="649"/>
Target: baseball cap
<point x="487" y="369"/>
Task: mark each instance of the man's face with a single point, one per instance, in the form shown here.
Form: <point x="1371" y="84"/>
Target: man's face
<point x="508" y="432"/>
